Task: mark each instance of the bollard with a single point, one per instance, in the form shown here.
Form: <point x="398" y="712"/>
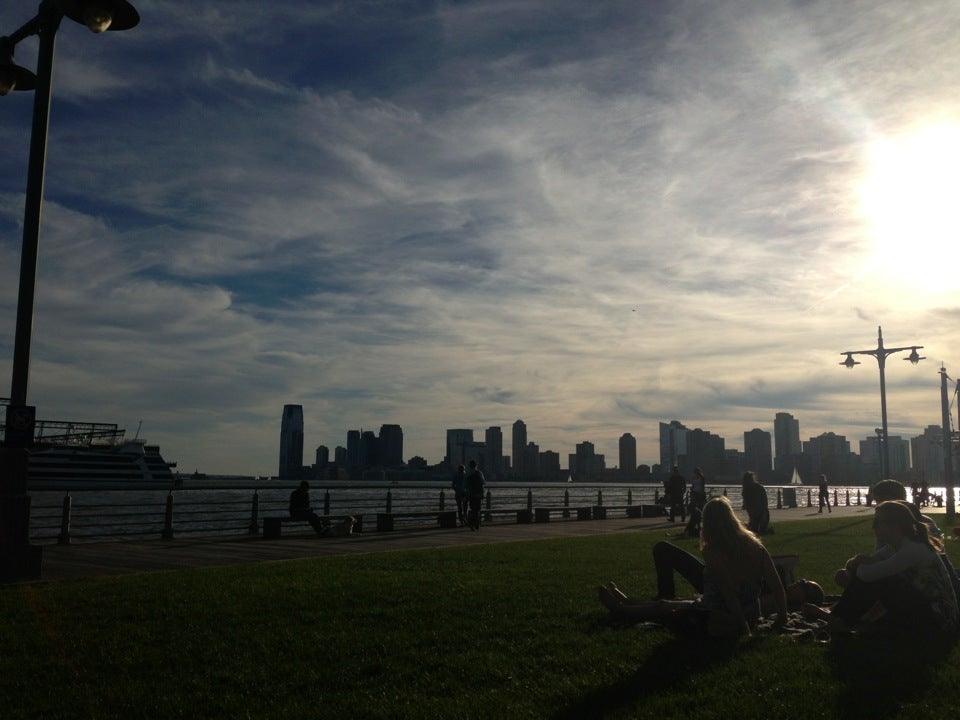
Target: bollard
<point x="809" y="498"/>
<point x="724" y="492"/>
<point x="530" y="499"/>
<point x="656" y="497"/>
<point x="629" y="496"/>
<point x="326" y="502"/>
<point x="848" y="498"/>
<point x="64" y="537"/>
<point x="779" y="500"/>
<point x="599" y="498"/>
<point x="858" y="496"/>
<point x="167" y="533"/>
<point x="389" y="502"/>
<point x="488" y="517"/>
<point x="566" y="503"/>
<point x="254" y="528"/>
<point x="834" y="498"/>
<point x="441" y="499"/>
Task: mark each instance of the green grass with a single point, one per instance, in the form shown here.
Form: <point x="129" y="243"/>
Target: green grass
<point x="493" y="631"/>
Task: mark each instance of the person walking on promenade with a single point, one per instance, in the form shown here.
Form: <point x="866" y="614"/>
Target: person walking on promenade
<point x="676" y="488"/>
<point x="755" y="503"/>
<point x="300" y="509"/>
<point x="824" y="496"/>
<point x="735" y="568"/>
<point x="475" y="486"/>
<point x="698" y="496"/>
<point x="460" y="493"/>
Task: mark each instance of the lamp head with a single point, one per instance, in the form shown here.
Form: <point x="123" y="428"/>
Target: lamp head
<point x="12" y="76"/>
<point x="914" y="356"/>
<point x="850" y="362"/>
<point x="100" y="15"/>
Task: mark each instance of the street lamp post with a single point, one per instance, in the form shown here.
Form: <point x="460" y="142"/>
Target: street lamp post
<point x="881" y="353"/>
<point x="19" y="559"/>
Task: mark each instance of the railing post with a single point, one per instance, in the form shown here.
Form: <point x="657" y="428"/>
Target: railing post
<point x="326" y="502"/>
<point x="600" y="498"/>
<point x="858" y="496"/>
<point x="488" y="516"/>
<point x="724" y="492"/>
<point x="389" y="502"/>
<point x="167" y="533"/>
<point x="848" y="498"/>
<point x="566" y="503"/>
<point x="629" y="496"/>
<point x="254" y="514"/>
<point x="779" y="500"/>
<point x="809" y="498"/>
<point x="530" y="499"/>
<point x="441" y="499"/>
<point x="656" y="497"/>
<point x="834" y="498"/>
<point x="64" y="537"/>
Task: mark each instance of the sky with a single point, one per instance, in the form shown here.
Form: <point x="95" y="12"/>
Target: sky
<point x="593" y="216"/>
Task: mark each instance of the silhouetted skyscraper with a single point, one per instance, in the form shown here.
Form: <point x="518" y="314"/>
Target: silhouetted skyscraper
<point x="756" y="453"/>
<point x="391" y="445"/>
<point x="457" y="438"/>
<point x="494" y="442"/>
<point x="519" y="448"/>
<point x="291" y="442"/>
<point x="786" y="435"/>
<point x="628" y="455"/>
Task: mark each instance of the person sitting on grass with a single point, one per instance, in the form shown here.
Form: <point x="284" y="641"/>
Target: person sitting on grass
<point x="904" y="583"/>
<point x="735" y="568"/>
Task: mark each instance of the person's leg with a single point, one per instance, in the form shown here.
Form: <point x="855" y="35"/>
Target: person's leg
<point x="667" y="559"/>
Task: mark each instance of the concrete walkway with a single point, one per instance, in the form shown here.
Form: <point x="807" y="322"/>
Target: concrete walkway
<point x="71" y="562"/>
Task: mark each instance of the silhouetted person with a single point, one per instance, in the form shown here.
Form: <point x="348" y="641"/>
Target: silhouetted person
<point x="300" y="509"/>
<point x="475" y="484"/>
<point x="755" y="503"/>
<point x="698" y="496"/>
<point x="824" y="494"/>
<point x="676" y="488"/>
<point x="460" y="492"/>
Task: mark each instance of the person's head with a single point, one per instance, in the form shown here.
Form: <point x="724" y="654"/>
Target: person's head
<point x="894" y="522"/>
<point x="473" y="464"/>
<point x="822" y="478"/>
<point x="720" y="526"/>
<point x="675" y="470"/>
<point x="804" y="591"/>
<point x="304" y="485"/>
<point x="889" y="490"/>
<point x="749" y="477"/>
<point x="461" y="468"/>
<point x="698" y="472"/>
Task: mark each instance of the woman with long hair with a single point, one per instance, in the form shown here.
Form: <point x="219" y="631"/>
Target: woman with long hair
<point x="904" y="582"/>
<point x="735" y="568"/>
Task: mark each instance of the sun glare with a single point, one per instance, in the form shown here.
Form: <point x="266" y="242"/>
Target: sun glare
<point x="911" y="199"/>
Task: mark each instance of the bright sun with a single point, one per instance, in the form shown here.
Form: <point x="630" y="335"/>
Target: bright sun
<point x="911" y="199"/>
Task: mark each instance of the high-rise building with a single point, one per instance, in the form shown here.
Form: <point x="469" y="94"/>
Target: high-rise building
<point x="456" y="439"/>
<point x="628" y="456"/>
<point x="518" y="449"/>
<point x="353" y="451"/>
<point x="673" y="444"/>
<point x="829" y="454"/>
<point x="322" y="456"/>
<point x="550" y="466"/>
<point x="391" y="445"/>
<point x="756" y="454"/>
<point x="531" y="461"/>
<point x="928" y="455"/>
<point x="494" y="443"/>
<point x="786" y="435"/>
<point x="291" y="442"/>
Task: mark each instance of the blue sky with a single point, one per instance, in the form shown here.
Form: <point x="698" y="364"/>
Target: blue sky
<point x="591" y="216"/>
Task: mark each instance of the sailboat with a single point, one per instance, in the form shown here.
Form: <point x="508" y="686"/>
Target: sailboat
<point x="796" y="480"/>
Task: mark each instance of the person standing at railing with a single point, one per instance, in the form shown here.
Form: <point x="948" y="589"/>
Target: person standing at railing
<point x="824" y="496"/>
<point x="300" y="509"/>
<point x="475" y="487"/>
<point x="460" y="492"/>
<point x="698" y="496"/>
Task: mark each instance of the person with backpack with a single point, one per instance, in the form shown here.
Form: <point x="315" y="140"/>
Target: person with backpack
<point x="475" y="489"/>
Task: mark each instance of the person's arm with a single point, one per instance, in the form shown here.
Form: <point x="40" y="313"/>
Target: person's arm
<point x="883" y="564"/>
<point x="772" y="578"/>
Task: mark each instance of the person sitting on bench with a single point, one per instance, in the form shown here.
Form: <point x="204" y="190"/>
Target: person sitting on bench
<point x="300" y="509"/>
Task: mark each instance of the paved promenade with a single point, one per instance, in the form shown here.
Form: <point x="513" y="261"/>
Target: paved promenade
<point x="119" y="558"/>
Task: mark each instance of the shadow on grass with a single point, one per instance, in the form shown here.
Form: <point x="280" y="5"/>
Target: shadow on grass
<point x="669" y="666"/>
<point x="879" y="673"/>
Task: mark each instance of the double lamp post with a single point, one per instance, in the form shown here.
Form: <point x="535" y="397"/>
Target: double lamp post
<point x="18" y="558"/>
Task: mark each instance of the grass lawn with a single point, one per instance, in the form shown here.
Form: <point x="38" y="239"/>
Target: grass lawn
<point x="491" y="631"/>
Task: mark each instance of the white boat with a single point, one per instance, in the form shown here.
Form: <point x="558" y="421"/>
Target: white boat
<point x="129" y="463"/>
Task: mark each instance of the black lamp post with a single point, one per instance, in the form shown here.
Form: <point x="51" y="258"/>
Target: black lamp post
<point x="19" y="559"/>
<point x="881" y="353"/>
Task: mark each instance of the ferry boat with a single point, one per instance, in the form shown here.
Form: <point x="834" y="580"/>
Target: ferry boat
<point x="130" y="463"/>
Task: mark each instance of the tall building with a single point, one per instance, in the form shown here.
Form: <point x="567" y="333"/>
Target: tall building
<point x="673" y="444"/>
<point x="928" y="455"/>
<point x="456" y="439"/>
<point x="519" y="448"/>
<point x="494" y="443"/>
<point x="391" y="445"/>
<point x="550" y="466"/>
<point x="531" y="461"/>
<point x="586" y="464"/>
<point x="291" y="442"/>
<point x="788" y="449"/>
<point x="322" y="456"/>
<point x="369" y="449"/>
<point x="829" y="454"/>
<point x="353" y="450"/>
<point x="628" y="456"/>
<point x="757" y="454"/>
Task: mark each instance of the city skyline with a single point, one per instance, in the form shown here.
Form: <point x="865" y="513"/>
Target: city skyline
<point x="591" y="216"/>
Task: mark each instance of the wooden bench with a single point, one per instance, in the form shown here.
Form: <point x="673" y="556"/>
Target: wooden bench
<point x="444" y="518"/>
<point x="272" y="526"/>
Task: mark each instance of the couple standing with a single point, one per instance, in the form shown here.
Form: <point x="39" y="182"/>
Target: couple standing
<point x="468" y="490"/>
